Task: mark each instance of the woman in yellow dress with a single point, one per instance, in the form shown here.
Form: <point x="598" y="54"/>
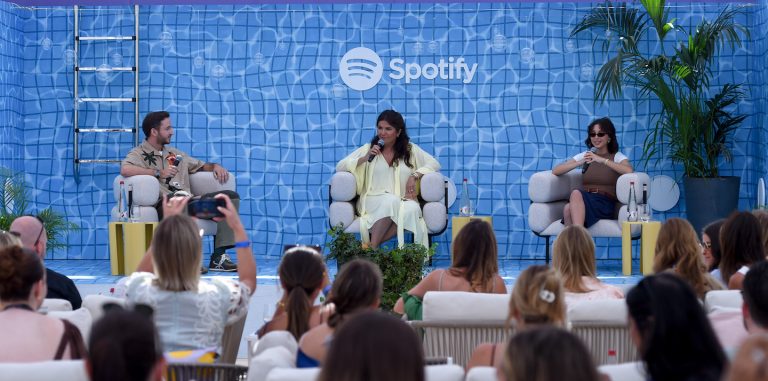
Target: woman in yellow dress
<point x="387" y="171"/>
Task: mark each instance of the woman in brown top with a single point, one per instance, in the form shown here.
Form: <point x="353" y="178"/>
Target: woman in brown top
<point x="601" y="166"/>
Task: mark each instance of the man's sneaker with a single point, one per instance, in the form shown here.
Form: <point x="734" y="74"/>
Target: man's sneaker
<point x="203" y="270"/>
<point x="222" y="263"/>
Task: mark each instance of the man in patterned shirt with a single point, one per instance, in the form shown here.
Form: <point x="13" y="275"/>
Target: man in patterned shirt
<point x="155" y="156"/>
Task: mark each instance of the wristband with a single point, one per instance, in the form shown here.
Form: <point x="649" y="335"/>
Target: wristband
<point x="242" y="245"/>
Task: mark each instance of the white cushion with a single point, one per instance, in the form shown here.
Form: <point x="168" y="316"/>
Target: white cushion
<point x="622" y="186"/>
<point x="435" y="216"/>
<point x="95" y="304"/>
<point x="53" y="304"/>
<point x="343" y="186"/>
<point x="341" y="212"/>
<point x="287" y="374"/>
<point x="546" y="187"/>
<point x="61" y="370"/>
<point x="541" y="216"/>
<point x="450" y="372"/>
<point x="432" y="187"/>
<point x="203" y="182"/>
<point x="276" y="339"/>
<point x="80" y="318"/>
<point x="272" y="358"/>
<point x="146" y="189"/>
<point x="598" y="311"/>
<point x="481" y="373"/>
<point x="455" y="306"/>
<point x="723" y="298"/>
<point x="630" y="371"/>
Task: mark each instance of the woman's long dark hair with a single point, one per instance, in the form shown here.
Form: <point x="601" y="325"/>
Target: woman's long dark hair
<point x="302" y="272"/>
<point x="475" y="256"/>
<point x="606" y="125"/>
<point x="741" y="243"/>
<point x="357" y="287"/>
<point x="677" y="340"/>
<point x="713" y="232"/>
<point x="403" y="143"/>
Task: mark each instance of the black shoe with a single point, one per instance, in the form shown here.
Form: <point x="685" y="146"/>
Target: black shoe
<point x="203" y="270"/>
<point x="222" y="263"/>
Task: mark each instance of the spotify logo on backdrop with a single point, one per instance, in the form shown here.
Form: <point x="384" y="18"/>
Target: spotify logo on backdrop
<point x="361" y="68"/>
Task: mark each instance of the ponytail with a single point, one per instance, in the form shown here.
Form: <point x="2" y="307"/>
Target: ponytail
<point x="298" y="308"/>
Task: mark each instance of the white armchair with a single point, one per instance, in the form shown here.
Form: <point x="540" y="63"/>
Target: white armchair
<point x="343" y="196"/>
<point x="147" y="188"/>
<point x="549" y="194"/>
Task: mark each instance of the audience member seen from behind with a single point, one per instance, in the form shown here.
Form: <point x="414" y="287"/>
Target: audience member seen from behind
<point x="177" y="294"/>
<point x="755" y="295"/>
<point x="302" y="275"/>
<point x="573" y="256"/>
<point x="125" y="347"/>
<point x="356" y="288"/>
<point x="537" y="299"/>
<point x="387" y="183"/>
<point x="547" y="354"/>
<point x="741" y="244"/>
<point x="374" y="346"/>
<point x="678" y="250"/>
<point x="601" y="169"/>
<point x="710" y="239"/>
<point x="671" y="332"/>
<point x="474" y="268"/>
<point x="33" y="236"/>
<point x="28" y="336"/>
<point x="751" y="361"/>
<point x="762" y="218"/>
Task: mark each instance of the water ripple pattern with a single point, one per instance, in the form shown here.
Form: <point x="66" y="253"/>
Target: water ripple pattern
<point x="258" y="89"/>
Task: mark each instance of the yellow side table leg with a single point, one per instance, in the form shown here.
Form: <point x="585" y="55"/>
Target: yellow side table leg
<point x="626" y="249"/>
<point x="116" y="254"/>
<point x="140" y="237"/>
<point x="648" y="245"/>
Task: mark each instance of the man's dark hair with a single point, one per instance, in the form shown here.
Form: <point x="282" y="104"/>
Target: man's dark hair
<point x="153" y="120"/>
<point x="755" y="293"/>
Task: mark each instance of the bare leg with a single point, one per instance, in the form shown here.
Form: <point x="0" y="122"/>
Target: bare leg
<point x="567" y="215"/>
<point x="381" y="231"/>
<point x="577" y="208"/>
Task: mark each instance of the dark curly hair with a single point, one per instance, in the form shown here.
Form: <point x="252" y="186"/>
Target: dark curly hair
<point x="20" y="269"/>
<point x="606" y="125"/>
<point x="403" y="143"/>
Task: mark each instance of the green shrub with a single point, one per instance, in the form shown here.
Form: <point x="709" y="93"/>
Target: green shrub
<point x="402" y="268"/>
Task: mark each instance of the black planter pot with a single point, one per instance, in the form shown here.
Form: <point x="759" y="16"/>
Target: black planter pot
<point x="709" y="199"/>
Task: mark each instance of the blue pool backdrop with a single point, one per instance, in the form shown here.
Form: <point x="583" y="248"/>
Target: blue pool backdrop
<point x="257" y="88"/>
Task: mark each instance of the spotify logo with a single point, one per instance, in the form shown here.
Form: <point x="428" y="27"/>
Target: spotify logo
<point x="361" y="69"/>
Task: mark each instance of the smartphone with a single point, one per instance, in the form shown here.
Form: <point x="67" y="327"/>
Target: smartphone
<point x="206" y="208"/>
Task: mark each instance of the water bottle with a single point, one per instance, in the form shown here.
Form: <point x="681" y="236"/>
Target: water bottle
<point x="613" y="359"/>
<point x="645" y="210"/>
<point x="632" y="203"/>
<point x="130" y="211"/>
<point x="466" y="206"/>
<point x="121" y="202"/>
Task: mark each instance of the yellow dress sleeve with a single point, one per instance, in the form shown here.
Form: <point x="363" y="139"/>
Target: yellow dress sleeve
<point x="349" y="164"/>
<point x="424" y="162"/>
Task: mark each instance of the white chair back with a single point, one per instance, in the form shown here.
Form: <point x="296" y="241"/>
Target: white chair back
<point x="293" y="374"/>
<point x="52" y="304"/>
<point x="95" y="304"/>
<point x="482" y="373"/>
<point x="60" y="370"/>
<point x="80" y="318"/>
<point x="723" y="298"/>
<point x="270" y="359"/>
<point x="631" y="371"/>
<point x="602" y="325"/>
<point x="450" y="372"/>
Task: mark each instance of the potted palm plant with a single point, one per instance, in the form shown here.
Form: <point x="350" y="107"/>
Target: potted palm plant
<point x="697" y="119"/>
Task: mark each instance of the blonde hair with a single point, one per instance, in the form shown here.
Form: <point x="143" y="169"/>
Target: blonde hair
<point x="7" y="239"/>
<point x="573" y="256"/>
<point x="678" y="248"/>
<point x="177" y="253"/>
<point x="537" y="297"/>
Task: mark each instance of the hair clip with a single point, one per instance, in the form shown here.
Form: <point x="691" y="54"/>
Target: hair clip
<point x="546" y="295"/>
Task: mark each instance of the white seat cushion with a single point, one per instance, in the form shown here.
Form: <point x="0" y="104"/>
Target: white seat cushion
<point x="457" y="306"/>
<point x="341" y="212"/>
<point x="598" y="311"/>
<point x="80" y="318"/>
<point x="287" y="374"/>
<point x="630" y="371"/>
<point x="432" y="187"/>
<point x="60" y="370"/>
<point x="146" y="189"/>
<point x="723" y="298"/>
<point x="53" y="304"/>
<point x="435" y="216"/>
<point x="482" y="373"/>
<point x="450" y="372"/>
<point x="343" y="186"/>
<point x="203" y="182"/>
<point x="95" y="304"/>
<point x="265" y="362"/>
<point x="276" y="339"/>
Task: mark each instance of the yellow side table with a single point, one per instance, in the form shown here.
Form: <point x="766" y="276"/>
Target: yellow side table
<point x="649" y="232"/>
<point x="128" y="241"/>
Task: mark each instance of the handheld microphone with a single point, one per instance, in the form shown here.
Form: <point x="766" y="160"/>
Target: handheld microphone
<point x="174" y="162"/>
<point x="586" y="165"/>
<point x="380" y="143"/>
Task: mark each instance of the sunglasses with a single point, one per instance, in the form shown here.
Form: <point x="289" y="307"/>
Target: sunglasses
<point x="598" y="134"/>
<point x="706" y="245"/>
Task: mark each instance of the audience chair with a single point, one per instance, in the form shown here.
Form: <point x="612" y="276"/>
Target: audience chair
<point x="455" y="323"/>
<point x="230" y="341"/>
<point x="549" y="194"/>
<point x="722" y="299"/>
<point x="95" y="304"/>
<point x="146" y="189"/>
<point x="631" y="371"/>
<point x="265" y="361"/>
<point x="481" y="373"/>
<point x="433" y="196"/>
<point x="284" y="339"/>
<point x="448" y="372"/>
<point x="60" y="370"/>
<point x="603" y="326"/>
<point x="80" y="318"/>
<point x="206" y="372"/>
<point x="52" y="304"/>
<point x="293" y="374"/>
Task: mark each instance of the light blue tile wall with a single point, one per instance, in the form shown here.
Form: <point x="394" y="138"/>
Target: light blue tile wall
<point x="257" y="89"/>
<point x="11" y="97"/>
